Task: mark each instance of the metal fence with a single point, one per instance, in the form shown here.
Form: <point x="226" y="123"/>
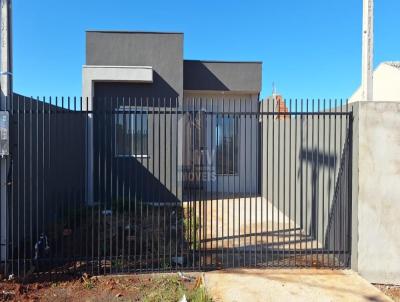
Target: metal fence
<point x="119" y="185"/>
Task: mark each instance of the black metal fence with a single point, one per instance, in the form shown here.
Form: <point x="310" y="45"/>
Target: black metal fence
<point x="119" y="185"/>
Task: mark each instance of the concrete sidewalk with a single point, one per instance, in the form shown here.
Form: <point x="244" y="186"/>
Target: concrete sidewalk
<point x="251" y="285"/>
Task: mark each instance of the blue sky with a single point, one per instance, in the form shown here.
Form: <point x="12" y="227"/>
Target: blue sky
<point x="309" y="48"/>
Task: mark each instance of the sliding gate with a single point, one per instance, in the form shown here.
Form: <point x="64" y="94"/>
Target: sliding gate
<point x="136" y="185"/>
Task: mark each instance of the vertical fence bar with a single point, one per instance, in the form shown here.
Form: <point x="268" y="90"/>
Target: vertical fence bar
<point x="221" y="174"/>
<point x="313" y="186"/>
<point x="105" y="175"/>
<point x="172" y="208"/>
<point x="342" y="214"/>
<point x="323" y="239"/>
<point x="251" y="190"/>
<point x="350" y="182"/>
<point x="159" y="179"/>
<point x="260" y="174"/>
<point x="284" y="247"/>
<point x="210" y="179"/>
<point x="279" y="248"/>
<point x="115" y="201"/>
<point x="273" y="118"/>
<point x="125" y="132"/>
<point x="18" y="186"/>
<point x="317" y="183"/>
<point x="235" y="171"/>
<point x="290" y="218"/>
<point x="31" y="239"/>
<point x="306" y="161"/>
<point x="228" y="128"/>
<point x="295" y="184"/>
<point x="180" y="195"/>
<point x="153" y="202"/>
<point x="129" y="187"/>
<point x="267" y="167"/>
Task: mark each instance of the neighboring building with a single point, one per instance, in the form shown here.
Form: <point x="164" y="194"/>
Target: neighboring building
<point x="148" y="69"/>
<point x="386" y="84"/>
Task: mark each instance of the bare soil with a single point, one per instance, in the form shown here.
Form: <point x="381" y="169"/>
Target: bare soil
<point x="163" y="287"/>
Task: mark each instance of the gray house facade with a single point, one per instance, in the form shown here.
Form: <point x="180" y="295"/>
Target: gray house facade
<point x="161" y="126"/>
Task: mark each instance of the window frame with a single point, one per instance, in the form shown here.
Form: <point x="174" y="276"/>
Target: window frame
<point x="129" y="113"/>
<point x="236" y="136"/>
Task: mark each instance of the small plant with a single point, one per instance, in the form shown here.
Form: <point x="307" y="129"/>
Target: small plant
<point x="117" y="264"/>
<point x="165" y="265"/>
<point x="171" y="289"/>
<point x="192" y="225"/>
<point x="199" y="295"/>
<point x="88" y="283"/>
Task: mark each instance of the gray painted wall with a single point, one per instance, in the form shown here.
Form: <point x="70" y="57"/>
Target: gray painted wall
<point x="222" y="76"/>
<point x="300" y="165"/>
<point x="245" y="182"/>
<point x="162" y="51"/>
<point x="200" y="79"/>
<point x="48" y="171"/>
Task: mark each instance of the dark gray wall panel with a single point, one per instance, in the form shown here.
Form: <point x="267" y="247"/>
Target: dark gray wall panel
<point x="222" y="76"/>
<point x="162" y="51"/>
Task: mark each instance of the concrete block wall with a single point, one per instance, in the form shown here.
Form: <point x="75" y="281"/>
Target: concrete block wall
<point x="376" y="191"/>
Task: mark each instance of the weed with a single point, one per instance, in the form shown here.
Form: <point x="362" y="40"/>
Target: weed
<point x="117" y="264"/>
<point x="192" y="225"/>
<point x="88" y="284"/>
<point x="199" y="295"/>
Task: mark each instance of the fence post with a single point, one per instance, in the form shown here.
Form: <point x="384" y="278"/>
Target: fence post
<point x="6" y="91"/>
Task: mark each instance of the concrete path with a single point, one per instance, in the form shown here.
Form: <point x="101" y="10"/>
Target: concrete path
<point x="251" y="285"/>
<point x="248" y="221"/>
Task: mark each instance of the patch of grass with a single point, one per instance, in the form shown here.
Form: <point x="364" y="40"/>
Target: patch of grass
<point x="171" y="289"/>
<point x="88" y="284"/>
<point x="199" y="295"/>
<point x="164" y="289"/>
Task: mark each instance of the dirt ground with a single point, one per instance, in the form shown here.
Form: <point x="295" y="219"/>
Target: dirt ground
<point x="165" y="287"/>
<point x="392" y="291"/>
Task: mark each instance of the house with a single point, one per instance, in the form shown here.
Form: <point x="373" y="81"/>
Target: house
<point x="143" y="76"/>
<point x="386" y="84"/>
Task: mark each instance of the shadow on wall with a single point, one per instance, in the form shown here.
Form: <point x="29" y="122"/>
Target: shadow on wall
<point x="199" y="77"/>
<point x="318" y="161"/>
<point x="338" y="229"/>
<point x="137" y="183"/>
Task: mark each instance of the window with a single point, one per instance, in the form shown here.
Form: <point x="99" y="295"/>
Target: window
<point x="227" y="145"/>
<point x="131" y="134"/>
<point x="198" y="127"/>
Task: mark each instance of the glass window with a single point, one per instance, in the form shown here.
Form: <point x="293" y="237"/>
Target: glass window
<point x="227" y="145"/>
<point x="131" y="134"/>
<point x="198" y="130"/>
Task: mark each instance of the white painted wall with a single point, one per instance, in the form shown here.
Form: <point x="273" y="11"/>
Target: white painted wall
<point x="386" y="84"/>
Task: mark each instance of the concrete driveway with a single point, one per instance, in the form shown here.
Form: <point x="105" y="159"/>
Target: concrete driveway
<point x="251" y="285"/>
